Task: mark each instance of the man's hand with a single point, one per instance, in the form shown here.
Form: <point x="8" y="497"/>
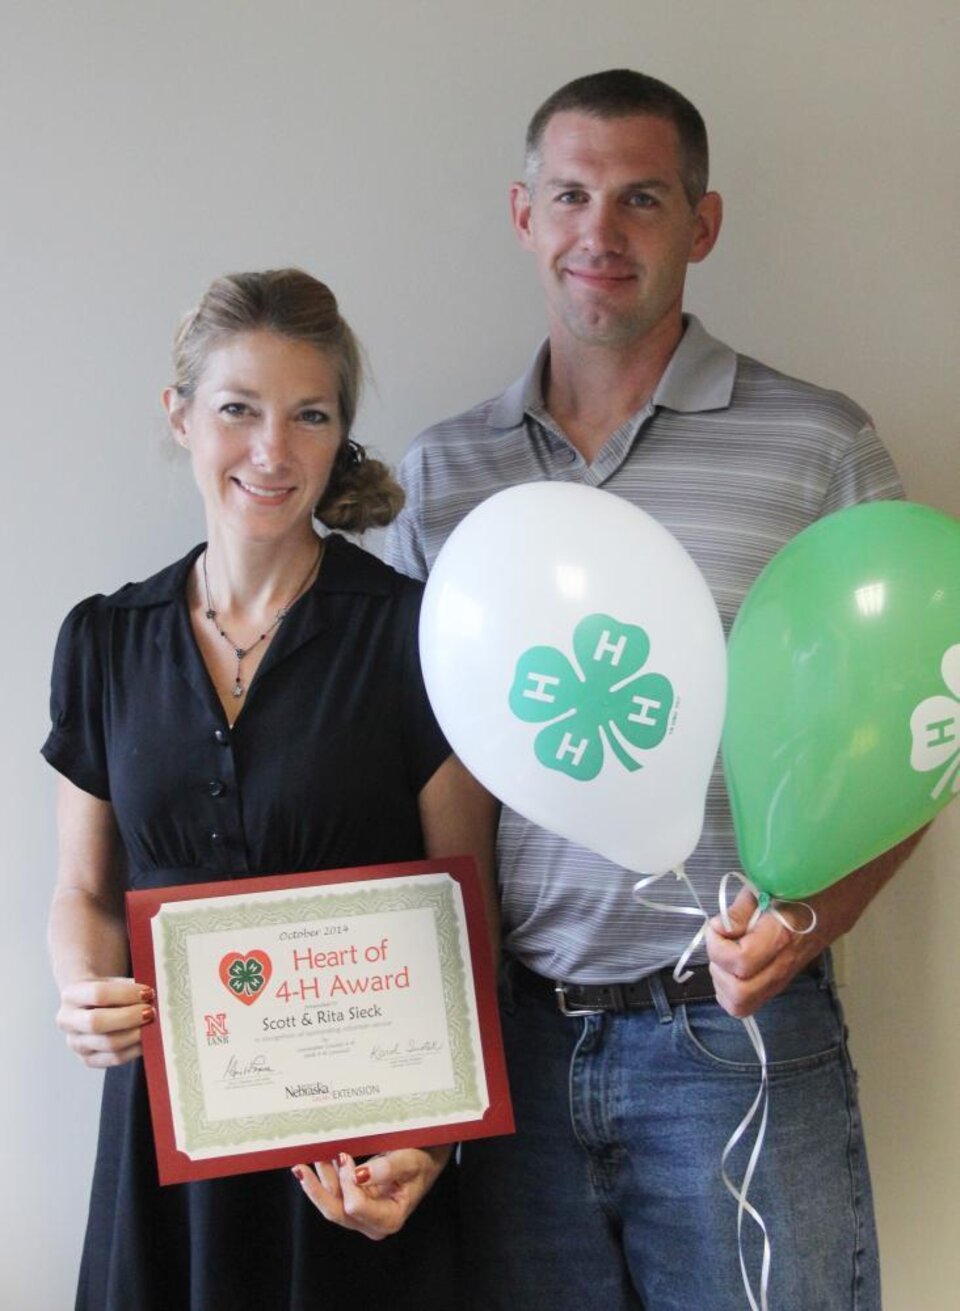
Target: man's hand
<point x="749" y="966"/>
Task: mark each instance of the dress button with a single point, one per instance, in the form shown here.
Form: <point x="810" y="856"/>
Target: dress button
<point x="216" y="788"/>
<point x="222" y="736"/>
<point x="216" y="837"/>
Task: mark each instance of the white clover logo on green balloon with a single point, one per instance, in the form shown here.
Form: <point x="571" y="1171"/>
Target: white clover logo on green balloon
<point x="604" y="701"/>
<point x="935" y="726"/>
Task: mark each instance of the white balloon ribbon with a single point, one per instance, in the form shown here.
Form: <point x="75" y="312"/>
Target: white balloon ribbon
<point x="766" y="905"/>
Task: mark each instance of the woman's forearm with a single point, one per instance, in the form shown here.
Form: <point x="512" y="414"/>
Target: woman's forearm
<point x="87" y="934"/>
<point x="87" y="937"/>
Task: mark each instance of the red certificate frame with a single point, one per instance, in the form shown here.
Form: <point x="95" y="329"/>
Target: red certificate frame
<point x="176" y="1165"/>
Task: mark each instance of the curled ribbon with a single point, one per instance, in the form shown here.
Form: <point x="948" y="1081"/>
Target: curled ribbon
<point x="766" y="905"/>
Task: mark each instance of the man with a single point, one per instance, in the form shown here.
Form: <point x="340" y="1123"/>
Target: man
<point x="610" y="1194"/>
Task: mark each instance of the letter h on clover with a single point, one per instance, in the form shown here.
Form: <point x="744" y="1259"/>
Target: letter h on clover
<point x="602" y="701"/>
<point x="935" y="728"/>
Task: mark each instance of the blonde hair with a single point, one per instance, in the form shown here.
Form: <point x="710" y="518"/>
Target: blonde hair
<point x="361" y="493"/>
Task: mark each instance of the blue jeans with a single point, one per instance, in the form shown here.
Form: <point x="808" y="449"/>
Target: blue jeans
<point x="609" y="1196"/>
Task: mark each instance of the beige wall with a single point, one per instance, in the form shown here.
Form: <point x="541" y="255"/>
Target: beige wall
<point x="148" y="147"/>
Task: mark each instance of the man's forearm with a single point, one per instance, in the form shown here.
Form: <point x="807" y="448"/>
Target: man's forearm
<point x="840" y="906"/>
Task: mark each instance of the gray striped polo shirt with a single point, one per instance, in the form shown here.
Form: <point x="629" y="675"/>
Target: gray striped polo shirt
<point x="734" y="459"/>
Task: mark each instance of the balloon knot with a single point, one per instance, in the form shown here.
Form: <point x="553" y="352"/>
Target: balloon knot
<point x="763" y="901"/>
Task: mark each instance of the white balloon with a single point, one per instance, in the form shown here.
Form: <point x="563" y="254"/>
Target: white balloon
<point x="610" y="746"/>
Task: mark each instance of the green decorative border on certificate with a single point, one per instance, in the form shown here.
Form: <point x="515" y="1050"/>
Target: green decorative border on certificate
<point x="175" y="929"/>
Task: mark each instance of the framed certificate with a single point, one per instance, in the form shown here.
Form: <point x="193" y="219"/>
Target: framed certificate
<point x="305" y="1014"/>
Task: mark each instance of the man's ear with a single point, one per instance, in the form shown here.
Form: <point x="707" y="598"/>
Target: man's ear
<point x="521" y="206"/>
<point x="176" y="413"/>
<point x="707" y="220"/>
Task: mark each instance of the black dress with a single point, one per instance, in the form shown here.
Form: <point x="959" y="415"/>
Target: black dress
<point x="321" y="770"/>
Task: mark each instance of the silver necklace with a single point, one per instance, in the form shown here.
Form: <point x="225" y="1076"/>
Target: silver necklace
<point x="241" y="652"/>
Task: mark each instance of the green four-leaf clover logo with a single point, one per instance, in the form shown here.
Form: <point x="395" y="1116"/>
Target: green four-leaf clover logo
<point x="245" y="977"/>
<point x="602" y="701"/>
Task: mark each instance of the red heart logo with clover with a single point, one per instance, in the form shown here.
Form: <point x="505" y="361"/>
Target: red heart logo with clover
<point x="245" y="977"/>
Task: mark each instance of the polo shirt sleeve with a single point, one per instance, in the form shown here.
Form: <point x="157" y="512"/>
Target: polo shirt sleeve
<point x="425" y="747"/>
<point x="865" y="472"/>
<point x="404" y="544"/>
<point x="76" y="745"/>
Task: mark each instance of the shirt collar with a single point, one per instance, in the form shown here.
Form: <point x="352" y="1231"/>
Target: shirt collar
<point x="699" y="376"/>
<point x="346" y="568"/>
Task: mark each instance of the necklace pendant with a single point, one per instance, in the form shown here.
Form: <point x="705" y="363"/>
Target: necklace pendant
<point x="238" y="688"/>
<point x="210" y="614"/>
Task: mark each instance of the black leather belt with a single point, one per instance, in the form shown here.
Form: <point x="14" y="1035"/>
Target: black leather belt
<point x="595" y="998"/>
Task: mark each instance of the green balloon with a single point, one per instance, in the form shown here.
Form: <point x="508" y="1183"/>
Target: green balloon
<point x="842" y="733"/>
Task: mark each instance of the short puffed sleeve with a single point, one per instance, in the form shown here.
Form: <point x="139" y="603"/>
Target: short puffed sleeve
<point x="76" y="745"/>
<point x="425" y="746"/>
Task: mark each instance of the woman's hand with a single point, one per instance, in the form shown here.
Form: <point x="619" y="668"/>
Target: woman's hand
<point x="101" y="1011"/>
<point x="103" y="1019"/>
<point x="375" y="1198"/>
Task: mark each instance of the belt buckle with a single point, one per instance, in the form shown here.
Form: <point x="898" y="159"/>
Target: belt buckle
<point x="572" y="1012"/>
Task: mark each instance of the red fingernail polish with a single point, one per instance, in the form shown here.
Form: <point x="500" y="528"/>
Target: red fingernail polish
<point x="362" y="1175"/>
<point x="148" y="1015"/>
<point x="147" y="993"/>
<point x="298" y="1174"/>
<point x="341" y="1159"/>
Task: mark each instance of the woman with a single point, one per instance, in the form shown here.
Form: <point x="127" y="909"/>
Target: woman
<point x="255" y="708"/>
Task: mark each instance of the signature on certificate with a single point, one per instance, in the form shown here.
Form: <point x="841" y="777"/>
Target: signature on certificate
<point x="246" y="1069"/>
<point x="413" y="1047"/>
